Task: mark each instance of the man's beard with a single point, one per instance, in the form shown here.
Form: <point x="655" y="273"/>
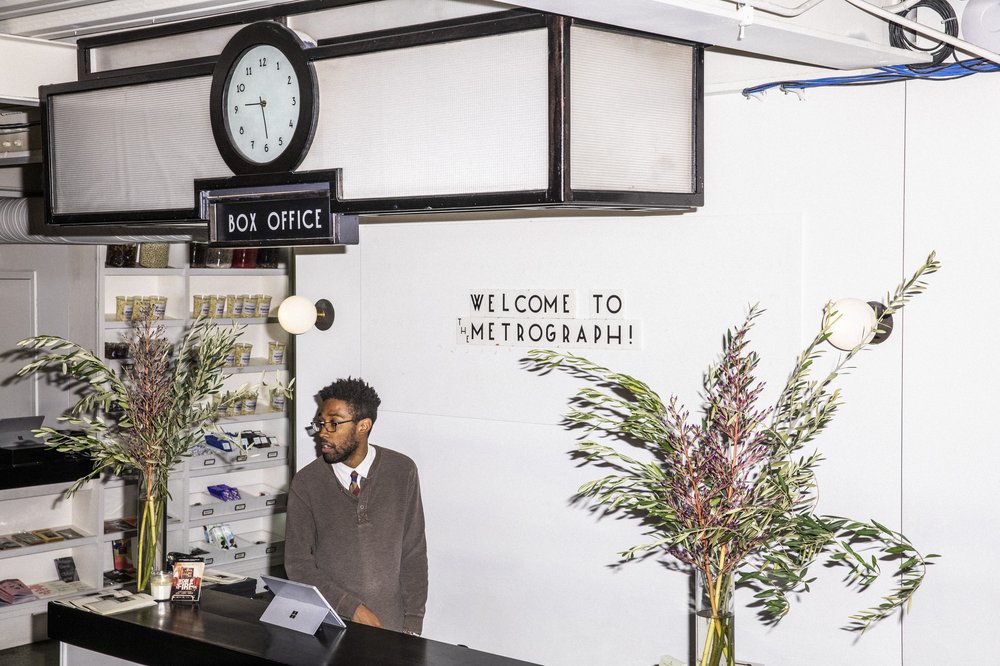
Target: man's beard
<point x="338" y="456"/>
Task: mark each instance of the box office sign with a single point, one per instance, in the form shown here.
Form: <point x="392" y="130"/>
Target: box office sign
<point x="283" y="221"/>
<point x="549" y="318"/>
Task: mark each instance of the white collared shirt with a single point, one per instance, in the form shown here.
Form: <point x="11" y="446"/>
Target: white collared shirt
<point x="343" y="471"/>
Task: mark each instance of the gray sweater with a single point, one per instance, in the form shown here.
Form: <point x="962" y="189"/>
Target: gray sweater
<point x="367" y="550"/>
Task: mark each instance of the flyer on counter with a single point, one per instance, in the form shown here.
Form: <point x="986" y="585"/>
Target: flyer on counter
<point x="188" y="572"/>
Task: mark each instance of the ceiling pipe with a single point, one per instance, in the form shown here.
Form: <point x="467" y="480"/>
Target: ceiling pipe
<point x="14" y="227"/>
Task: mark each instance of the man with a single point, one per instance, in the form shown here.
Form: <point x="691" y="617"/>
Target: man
<point x="355" y="523"/>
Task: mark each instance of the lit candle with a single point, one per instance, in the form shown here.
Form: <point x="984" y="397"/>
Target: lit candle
<point x="159" y="585"/>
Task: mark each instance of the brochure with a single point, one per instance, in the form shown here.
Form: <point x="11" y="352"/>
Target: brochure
<point x="188" y="572"/>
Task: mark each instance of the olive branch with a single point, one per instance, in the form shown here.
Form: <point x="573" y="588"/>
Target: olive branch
<point x="734" y="492"/>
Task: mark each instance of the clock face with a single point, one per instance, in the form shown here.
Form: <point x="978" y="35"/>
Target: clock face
<point x="262" y="102"/>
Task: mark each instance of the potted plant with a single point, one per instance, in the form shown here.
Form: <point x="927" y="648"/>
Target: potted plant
<point x="142" y="418"/>
<point x="732" y="495"/>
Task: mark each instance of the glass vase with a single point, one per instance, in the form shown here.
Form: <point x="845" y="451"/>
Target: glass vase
<point x="152" y="524"/>
<point x="714" y="630"/>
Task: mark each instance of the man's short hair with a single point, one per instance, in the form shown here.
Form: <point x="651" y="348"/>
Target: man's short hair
<point x="361" y="398"/>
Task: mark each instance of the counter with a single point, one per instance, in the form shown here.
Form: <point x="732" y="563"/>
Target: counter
<point x="225" y="629"/>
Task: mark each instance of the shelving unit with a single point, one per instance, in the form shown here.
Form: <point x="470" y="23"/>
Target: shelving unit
<point x="257" y="520"/>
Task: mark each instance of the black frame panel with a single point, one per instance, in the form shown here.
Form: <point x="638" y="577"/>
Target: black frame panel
<point x="557" y="194"/>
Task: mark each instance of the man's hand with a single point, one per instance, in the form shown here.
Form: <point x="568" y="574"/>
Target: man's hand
<point x="364" y="615"/>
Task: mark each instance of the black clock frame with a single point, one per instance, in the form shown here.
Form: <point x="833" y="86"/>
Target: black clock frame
<point x="293" y="47"/>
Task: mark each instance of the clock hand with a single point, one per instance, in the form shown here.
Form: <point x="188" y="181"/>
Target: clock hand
<point x="263" y="103"/>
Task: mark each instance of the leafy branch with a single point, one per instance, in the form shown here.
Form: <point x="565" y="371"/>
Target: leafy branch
<point x="733" y="493"/>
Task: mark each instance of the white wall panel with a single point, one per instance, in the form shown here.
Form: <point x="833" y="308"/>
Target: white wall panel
<point x="448" y="118"/>
<point x="416" y="280"/>
<point x="845" y="178"/>
<point x="950" y="390"/>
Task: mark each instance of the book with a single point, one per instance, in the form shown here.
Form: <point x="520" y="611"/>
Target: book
<point x="66" y="568"/>
<point x="14" y="591"/>
<point x="7" y="543"/>
<point x="57" y="587"/>
<point x="69" y="533"/>
<point x="27" y="539"/>
<point x="119" y="525"/>
<point x="47" y="535"/>
<point x="110" y="603"/>
<point x="188" y="572"/>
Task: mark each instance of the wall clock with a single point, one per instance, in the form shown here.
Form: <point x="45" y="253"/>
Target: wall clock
<point x="263" y="100"/>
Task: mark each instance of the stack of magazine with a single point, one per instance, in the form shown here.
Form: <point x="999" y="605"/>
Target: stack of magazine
<point x="13" y="591"/>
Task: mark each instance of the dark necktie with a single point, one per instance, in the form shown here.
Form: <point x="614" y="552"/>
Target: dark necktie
<point x="355" y="487"/>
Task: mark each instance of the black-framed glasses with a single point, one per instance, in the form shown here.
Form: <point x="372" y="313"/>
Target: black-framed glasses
<point x="317" y="426"/>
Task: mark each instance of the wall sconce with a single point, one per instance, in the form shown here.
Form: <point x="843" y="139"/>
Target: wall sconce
<point x="856" y="322"/>
<point x="297" y="314"/>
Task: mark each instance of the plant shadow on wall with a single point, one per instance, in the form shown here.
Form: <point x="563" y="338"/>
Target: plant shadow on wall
<point x="731" y="494"/>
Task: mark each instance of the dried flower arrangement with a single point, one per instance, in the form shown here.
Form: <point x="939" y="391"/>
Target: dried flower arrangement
<point x="732" y="495"/>
<point x="146" y="416"/>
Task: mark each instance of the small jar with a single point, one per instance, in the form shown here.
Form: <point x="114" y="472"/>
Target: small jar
<point x="250" y="305"/>
<point x="277" y="401"/>
<point x="244" y="351"/>
<point x="121" y="256"/>
<point x="140" y="308"/>
<point x="267" y="257"/>
<point x="275" y="352"/>
<point x="231" y="358"/>
<point x="154" y="255"/>
<point x="216" y="306"/>
<point x="159" y="305"/>
<point x="159" y="585"/>
<point x="200" y="308"/>
<point x="120" y="309"/>
<point x="197" y="253"/>
<point x="263" y="305"/>
<point x="245" y="257"/>
<point x="250" y="404"/>
<point x="234" y="306"/>
<point x="218" y="257"/>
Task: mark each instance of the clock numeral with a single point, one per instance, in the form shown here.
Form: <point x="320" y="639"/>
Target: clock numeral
<point x="277" y="64"/>
<point x="249" y="71"/>
<point x="263" y="62"/>
<point x="293" y="101"/>
<point x="241" y="129"/>
<point x="290" y="124"/>
<point x="241" y="87"/>
<point x="289" y="79"/>
<point x="266" y="149"/>
<point x="281" y="141"/>
<point x="251" y="144"/>
<point x="236" y="109"/>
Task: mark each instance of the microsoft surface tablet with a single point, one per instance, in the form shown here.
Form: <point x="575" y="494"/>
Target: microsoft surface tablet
<point x="298" y="606"/>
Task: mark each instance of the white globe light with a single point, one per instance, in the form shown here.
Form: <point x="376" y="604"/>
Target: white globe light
<point x="296" y="314"/>
<point x="853" y="324"/>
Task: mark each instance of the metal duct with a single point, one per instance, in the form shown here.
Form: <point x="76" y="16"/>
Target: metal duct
<point x="14" y="214"/>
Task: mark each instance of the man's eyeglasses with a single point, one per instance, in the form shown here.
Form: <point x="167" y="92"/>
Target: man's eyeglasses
<point x="316" y="427"/>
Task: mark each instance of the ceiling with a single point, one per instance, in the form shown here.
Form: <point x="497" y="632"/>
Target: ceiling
<point x="834" y="35"/>
<point x="67" y="20"/>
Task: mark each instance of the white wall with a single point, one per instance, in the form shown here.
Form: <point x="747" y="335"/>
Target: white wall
<point x="805" y="201"/>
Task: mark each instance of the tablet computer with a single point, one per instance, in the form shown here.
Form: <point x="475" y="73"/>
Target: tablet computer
<point x="298" y="606"/>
